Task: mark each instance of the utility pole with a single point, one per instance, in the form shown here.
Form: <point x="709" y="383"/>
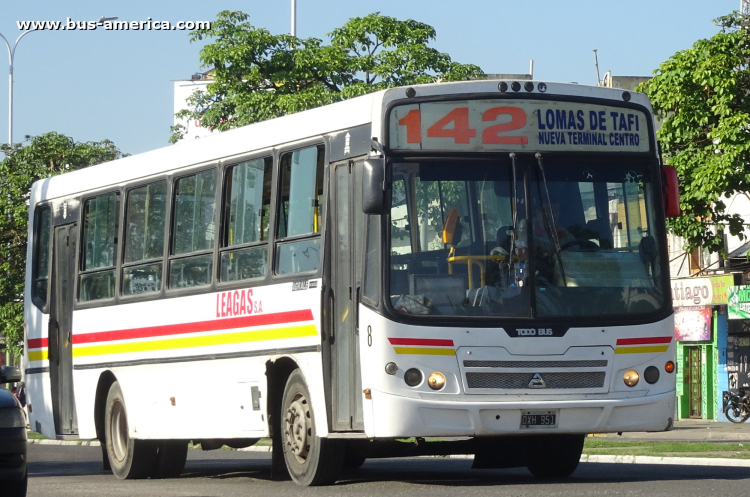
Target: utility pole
<point x="596" y="63"/>
<point x="745" y="7"/>
<point x="294" y="18"/>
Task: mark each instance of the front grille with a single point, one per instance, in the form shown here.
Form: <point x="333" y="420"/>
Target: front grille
<point x="518" y="381"/>
<point x="597" y="363"/>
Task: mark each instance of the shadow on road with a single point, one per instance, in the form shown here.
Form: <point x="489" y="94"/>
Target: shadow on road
<point x="238" y="466"/>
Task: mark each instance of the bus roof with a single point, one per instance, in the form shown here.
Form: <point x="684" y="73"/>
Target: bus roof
<point x="287" y="130"/>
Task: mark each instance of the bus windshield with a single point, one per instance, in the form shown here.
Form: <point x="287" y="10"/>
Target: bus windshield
<point x="523" y="237"/>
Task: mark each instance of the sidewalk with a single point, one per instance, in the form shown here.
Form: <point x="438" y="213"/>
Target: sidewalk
<point x="691" y="430"/>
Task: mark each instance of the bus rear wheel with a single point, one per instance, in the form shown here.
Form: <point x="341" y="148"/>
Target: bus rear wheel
<point x="310" y="460"/>
<point x="170" y="458"/>
<point x="129" y="458"/>
<point x="555" y="456"/>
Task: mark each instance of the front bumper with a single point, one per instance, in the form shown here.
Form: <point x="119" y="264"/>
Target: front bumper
<point x="12" y="453"/>
<point x="400" y="417"/>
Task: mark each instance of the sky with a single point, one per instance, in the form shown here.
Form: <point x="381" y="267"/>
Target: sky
<point x="96" y="85"/>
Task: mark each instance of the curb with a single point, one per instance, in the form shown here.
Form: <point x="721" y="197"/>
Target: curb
<point x="620" y="459"/>
<point x="679" y="461"/>
<point x="82" y="443"/>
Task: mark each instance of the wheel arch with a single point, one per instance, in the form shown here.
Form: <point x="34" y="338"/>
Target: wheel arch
<point x="277" y="374"/>
<point x="106" y="379"/>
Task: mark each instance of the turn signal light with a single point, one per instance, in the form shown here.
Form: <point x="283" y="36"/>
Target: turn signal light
<point x="436" y="380"/>
<point x="631" y="377"/>
<point x="669" y="367"/>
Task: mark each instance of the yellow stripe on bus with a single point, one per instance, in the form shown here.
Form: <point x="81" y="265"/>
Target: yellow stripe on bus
<point x="39" y="355"/>
<point x="199" y="341"/>
<point x="641" y="350"/>
<point x="424" y="351"/>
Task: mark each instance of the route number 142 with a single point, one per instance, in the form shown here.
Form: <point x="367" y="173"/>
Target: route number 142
<point x="462" y="132"/>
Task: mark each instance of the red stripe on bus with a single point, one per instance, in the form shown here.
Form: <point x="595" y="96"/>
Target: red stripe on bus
<point x="38" y="343"/>
<point x="421" y="341"/>
<point x="200" y="326"/>
<point x="643" y="341"/>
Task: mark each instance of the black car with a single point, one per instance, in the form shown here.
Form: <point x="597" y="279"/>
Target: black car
<point x="13" y="472"/>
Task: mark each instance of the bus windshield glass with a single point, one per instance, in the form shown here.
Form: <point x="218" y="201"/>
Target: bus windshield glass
<point x="524" y="237"/>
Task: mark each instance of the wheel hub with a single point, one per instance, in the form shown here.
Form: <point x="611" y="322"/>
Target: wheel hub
<point x="297" y="428"/>
<point x="119" y="431"/>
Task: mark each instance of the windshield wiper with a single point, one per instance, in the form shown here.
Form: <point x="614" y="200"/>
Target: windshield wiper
<point x="549" y="220"/>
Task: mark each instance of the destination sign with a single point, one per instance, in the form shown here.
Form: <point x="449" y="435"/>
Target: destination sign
<point x="517" y="125"/>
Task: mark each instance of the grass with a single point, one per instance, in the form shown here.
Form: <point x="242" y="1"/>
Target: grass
<point x="731" y="450"/>
<point x="32" y="435"/>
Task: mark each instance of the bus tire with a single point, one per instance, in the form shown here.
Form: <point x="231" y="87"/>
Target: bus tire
<point x="170" y="458"/>
<point x="555" y="456"/>
<point x="15" y="488"/>
<point x="353" y="458"/>
<point x="310" y="460"/>
<point x="129" y="458"/>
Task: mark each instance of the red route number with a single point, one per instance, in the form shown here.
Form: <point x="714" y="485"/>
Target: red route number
<point x="461" y="132"/>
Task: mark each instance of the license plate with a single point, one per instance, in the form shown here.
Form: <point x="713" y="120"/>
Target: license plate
<point x="538" y="419"/>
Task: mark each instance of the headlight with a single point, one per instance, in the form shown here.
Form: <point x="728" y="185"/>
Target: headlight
<point x="12" y="417"/>
<point x="631" y="377"/>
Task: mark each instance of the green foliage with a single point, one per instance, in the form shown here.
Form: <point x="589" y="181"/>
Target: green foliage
<point x="46" y="155"/>
<point x="260" y="76"/>
<point x="702" y="95"/>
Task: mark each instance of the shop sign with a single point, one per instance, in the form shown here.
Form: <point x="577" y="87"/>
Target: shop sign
<point x="701" y="291"/>
<point x="739" y="302"/>
<point x="692" y="324"/>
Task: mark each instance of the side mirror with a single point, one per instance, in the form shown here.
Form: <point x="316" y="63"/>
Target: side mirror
<point x="9" y="374"/>
<point x="373" y="195"/>
<point x="671" y="192"/>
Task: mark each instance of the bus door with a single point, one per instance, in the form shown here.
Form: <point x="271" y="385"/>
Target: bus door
<point x="60" y="329"/>
<point x="347" y="247"/>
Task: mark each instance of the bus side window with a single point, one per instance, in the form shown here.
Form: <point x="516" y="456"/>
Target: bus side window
<point x="247" y="202"/>
<point x="41" y="264"/>
<point x="193" y="230"/>
<point x="298" y="250"/>
<point x="145" y="217"/>
<point x="100" y="228"/>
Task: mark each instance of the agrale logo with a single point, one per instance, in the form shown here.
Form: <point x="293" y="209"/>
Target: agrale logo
<point x="537" y="381"/>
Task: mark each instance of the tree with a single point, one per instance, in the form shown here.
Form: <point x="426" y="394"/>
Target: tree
<point x="44" y="156"/>
<point x="259" y="76"/>
<point x="702" y="95"/>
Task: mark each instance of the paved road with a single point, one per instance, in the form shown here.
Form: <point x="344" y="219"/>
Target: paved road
<point x="67" y="471"/>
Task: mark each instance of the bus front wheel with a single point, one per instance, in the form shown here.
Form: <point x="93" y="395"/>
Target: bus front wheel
<point x="129" y="458"/>
<point x="310" y="460"/>
<point x="170" y="459"/>
<point x="554" y="456"/>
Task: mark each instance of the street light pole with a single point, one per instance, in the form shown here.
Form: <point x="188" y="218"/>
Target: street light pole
<point x="11" y="56"/>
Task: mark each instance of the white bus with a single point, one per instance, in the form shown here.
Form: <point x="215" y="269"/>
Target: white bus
<point x="478" y="263"/>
